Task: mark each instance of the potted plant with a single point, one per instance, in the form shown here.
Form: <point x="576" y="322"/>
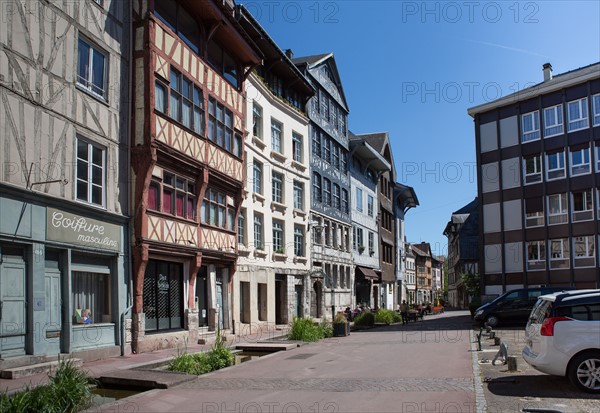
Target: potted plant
<point x="361" y="248"/>
<point x="341" y="327"/>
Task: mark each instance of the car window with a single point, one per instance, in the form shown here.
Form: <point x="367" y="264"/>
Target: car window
<point x="582" y="312"/>
<point x="533" y="294"/>
<point x="540" y="311"/>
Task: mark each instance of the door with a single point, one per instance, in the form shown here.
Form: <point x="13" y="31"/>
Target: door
<point x="220" y="309"/>
<point x="12" y="303"/>
<point x="298" y="289"/>
<point x="53" y="307"/>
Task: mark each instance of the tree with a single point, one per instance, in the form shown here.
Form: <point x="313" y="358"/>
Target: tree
<point x="472" y="284"/>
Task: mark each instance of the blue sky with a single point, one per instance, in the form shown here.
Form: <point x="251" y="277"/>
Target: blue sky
<point x="413" y="69"/>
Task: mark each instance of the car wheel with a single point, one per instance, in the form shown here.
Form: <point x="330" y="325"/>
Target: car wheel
<point x="584" y="371"/>
<point x="492" y="320"/>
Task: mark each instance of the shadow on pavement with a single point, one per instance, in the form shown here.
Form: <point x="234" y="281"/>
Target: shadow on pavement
<point x="446" y="321"/>
<point x="543" y="386"/>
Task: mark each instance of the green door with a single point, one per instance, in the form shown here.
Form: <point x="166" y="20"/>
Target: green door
<point x="12" y="304"/>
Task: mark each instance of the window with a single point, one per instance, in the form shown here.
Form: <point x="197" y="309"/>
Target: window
<point x="559" y="253"/>
<point x="532" y="169"/>
<point x="555" y="165"/>
<point x="180" y="21"/>
<point x="584" y="251"/>
<point x="257" y="124"/>
<point x="298" y="241"/>
<point x="316" y="143"/>
<point x="177" y="196"/>
<point x="371" y="243"/>
<point x="327" y="149"/>
<point x="277" y="184"/>
<point x="257" y="170"/>
<point x="536" y="255"/>
<point x="557" y="209"/>
<point x="278" y="240"/>
<point x="91" y="69"/>
<point x="577" y="114"/>
<point x="317" y="231"/>
<point x="553" y="121"/>
<point x="530" y="126"/>
<point x="223" y="63"/>
<point x="276" y="138"/>
<point x="186" y="102"/>
<point x="92" y="291"/>
<point x="597" y="157"/>
<point x="218" y="209"/>
<point x="327" y="191"/>
<point x="160" y="97"/>
<point x="335" y="151"/>
<point x="583" y="206"/>
<point x="220" y="127"/>
<point x="336" y="196"/>
<point x="258" y="232"/>
<point x="298" y="195"/>
<point x="370" y="205"/>
<point x="345" y="201"/>
<point x="316" y="182"/>
<point x="343" y="162"/>
<point x="342" y="123"/>
<point x="359" y="199"/>
<point x="534" y="212"/>
<point x="596" y="110"/>
<point x="91" y="165"/>
<point x="360" y="244"/>
<point x="241" y="227"/>
<point x="324" y="106"/>
<point x="297" y="147"/>
<point x="580" y="161"/>
<point x="334" y="115"/>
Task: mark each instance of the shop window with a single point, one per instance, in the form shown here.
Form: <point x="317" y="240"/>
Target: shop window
<point x="163" y="295"/>
<point x="91" y="291"/>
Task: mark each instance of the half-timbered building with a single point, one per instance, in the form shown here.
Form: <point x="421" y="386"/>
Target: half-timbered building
<point x="190" y="61"/>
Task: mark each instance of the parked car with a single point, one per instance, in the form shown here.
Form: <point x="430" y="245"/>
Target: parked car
<point x="513" y="306"/>
<point x="563" y="337"/>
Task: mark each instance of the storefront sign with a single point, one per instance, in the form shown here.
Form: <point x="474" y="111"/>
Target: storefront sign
<point x="74" y="229"/>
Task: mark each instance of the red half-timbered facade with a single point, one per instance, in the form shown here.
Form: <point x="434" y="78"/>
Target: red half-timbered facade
<point x="190" y="61"/>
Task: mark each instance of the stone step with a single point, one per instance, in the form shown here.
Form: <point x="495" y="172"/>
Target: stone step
<point x="18" y="361"/>
<point x="33" y="369"/>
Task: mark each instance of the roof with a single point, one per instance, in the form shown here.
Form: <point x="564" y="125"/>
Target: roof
<point x="557" y="82"/>
<point x="311" y="60"/>
<point x="381" y="141"/>
<point x="405" y="196"/>
<point x="365" y="151"/>
<point x="419" y="252"/>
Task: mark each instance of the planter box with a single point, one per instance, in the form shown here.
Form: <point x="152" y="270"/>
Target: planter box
<point x="341" y="330"/>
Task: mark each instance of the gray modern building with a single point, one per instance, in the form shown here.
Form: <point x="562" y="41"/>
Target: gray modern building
<point x="330" y="222"/>
<point x="64" y="126"/>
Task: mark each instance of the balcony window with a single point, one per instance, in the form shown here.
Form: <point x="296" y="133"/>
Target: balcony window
<point x="536" y="255"/>
<point x="577" y="113"/>
<point x="557" y="209"/>
<point x="559" y="254"/>
<point x="553" y="121"/>
<point x="530" y="126"/>
<point x="583" y="206"/>
<point x="532" y="169"/>
<point x="584" y="251"/>
<point x="580" y="162"/>
<point x="555" y="165"/>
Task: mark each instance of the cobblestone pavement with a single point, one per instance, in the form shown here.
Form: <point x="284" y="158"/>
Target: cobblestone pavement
<point x="527" y="388"/>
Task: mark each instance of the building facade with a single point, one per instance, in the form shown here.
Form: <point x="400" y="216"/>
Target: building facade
<point x="272" y="284"/>
<point x="63" y="191"/>
<point x="186" y="167"/>
<point x="366" y="165"/>
<point x="538" y="159"/>
<point x="404" y="199"/>
<point x="330" y="224"/>
<point x="424" y="274"/>
<point x="410" y="284"/>
<point x="463" y="251"/>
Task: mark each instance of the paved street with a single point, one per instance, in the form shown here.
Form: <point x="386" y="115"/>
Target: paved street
<point x="422" y="367"/>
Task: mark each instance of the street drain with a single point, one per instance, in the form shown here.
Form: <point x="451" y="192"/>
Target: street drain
<point x="302" y="356"/>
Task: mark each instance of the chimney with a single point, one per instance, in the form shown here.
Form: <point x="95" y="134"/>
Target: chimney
<point x="547" y="72"/>
<point x="289" y="53"/>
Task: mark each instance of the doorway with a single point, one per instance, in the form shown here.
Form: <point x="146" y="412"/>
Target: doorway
<point x="12" y="302"/>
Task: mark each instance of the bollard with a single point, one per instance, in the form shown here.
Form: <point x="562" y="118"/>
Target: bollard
<point x="512" y="363"/>
<point x="496" y="341"/>
<point x="493" y="334"/>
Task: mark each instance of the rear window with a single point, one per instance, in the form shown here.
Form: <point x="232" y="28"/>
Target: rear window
<point x="582" y="312"/>
<point x="540" y="311"/>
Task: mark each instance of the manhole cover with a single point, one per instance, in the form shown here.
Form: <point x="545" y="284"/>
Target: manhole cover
<point x="302" y="356"/>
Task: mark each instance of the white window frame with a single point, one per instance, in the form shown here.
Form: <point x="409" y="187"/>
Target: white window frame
<point x="536" y="176"/>
<point x="597" y="147"/>
<point x="564" y="209"/>
<point x="575" y="167"/>
<point x="581" y="122"/>
<point x="299" y="241"/>
<point x="533" y="133"/>
<point x="557" y="173"/>
<point x="259" y="231"/>
<point x="87" y="83"/>
<point x="359" y="199"/>
<point x="583" y="214"/>
<point x="297" y="147"/>
<point x="298" y="195"/>
<point x="370" y="205"/>
<point x="241" y="228"/>
<point x="539" y="263"/>
<point x="257" y="121"/>
<point x="257" y="177"/>
<point x="586" y="260"/>
<point x="90" y="168"/>
<point x="277" y="193"/>
<point x="559" y="259"/>
<point x="596" y="109"/>
<point x="276" y="136"/>
<point x="278" y="236"/>
<point x="556" y="128"/>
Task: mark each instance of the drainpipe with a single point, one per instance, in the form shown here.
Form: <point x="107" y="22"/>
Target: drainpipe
<point x="128" y="134"/>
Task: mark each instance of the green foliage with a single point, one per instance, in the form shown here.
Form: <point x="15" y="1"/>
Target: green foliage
<point x="196" y="364"/>
<point x="305" y="329"/>
<point x="365" y="319"/>
<point x="387" y="317"/>
<point x="68" y="391"/>
<point x="472" y="284"/>
<point x="340" y="318"/>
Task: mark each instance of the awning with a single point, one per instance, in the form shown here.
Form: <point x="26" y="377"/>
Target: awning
<point x="368" y="273"/>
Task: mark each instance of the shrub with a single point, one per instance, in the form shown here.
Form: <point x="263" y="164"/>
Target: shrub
<point x="365" y="319"/>
<point x="67" y="391"/>
<point x="305" y="329"/>
<point x="196" y="364"/>
<point x="385" y="317"/>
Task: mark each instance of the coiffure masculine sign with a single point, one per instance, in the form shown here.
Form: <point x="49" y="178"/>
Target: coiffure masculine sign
<point x="74" y="229"/>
